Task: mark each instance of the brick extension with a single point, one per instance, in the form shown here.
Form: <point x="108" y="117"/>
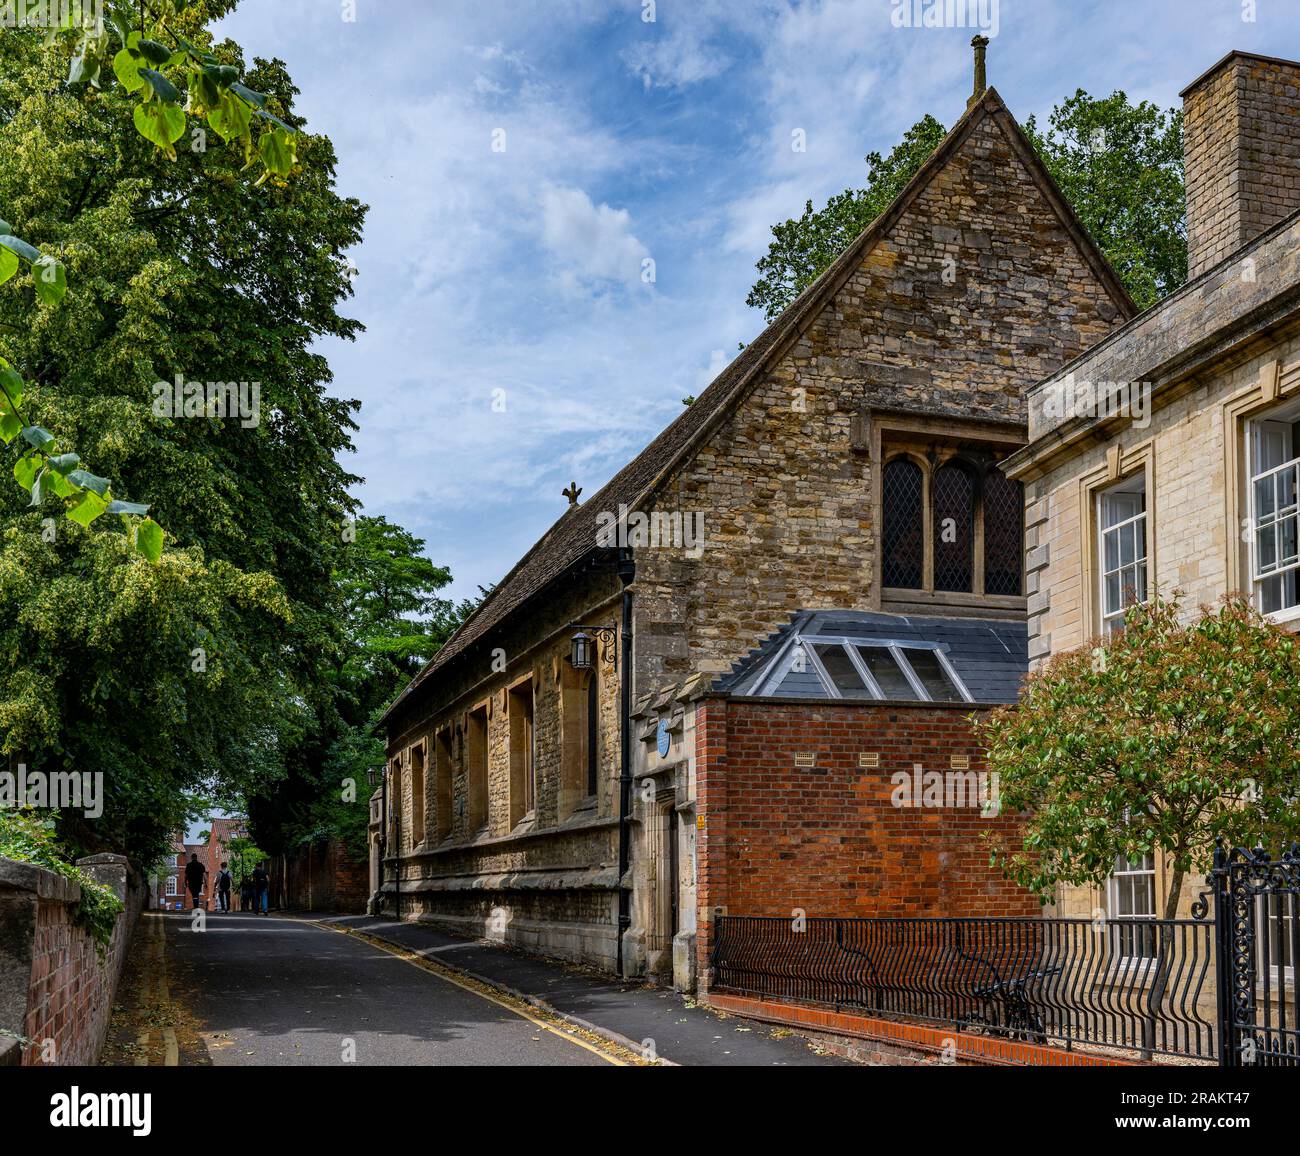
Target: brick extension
<point x="828" y="839"/>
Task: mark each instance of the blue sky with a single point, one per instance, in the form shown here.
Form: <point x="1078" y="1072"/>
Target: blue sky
<point x="625" y="139"/>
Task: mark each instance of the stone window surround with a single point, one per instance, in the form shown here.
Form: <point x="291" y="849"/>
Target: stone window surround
<point x="1119" y="465"/>
<point x="521" y="763"/>
<point x="477" y="765"/>
<point x="882" y="432"/>
<point x="454" y="724"/>
<point x="419" y="805"/>
<point x="1276" y="385"/>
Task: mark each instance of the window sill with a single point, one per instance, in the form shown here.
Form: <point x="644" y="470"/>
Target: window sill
<point x="1284" y="617"/>
<point x="526" y="824"/>
<point x="894" y="599"/>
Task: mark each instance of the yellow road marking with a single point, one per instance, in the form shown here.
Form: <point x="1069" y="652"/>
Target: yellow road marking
<point x="424" y="965"/>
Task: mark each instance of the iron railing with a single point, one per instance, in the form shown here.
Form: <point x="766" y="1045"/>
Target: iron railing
<point x="1143" y="985"/>
<point x="1257" y="917"/>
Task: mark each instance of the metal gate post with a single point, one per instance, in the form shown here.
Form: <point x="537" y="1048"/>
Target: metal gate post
<point x="1223" y="961"/>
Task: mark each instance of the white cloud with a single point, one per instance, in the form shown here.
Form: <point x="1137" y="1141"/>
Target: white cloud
<point x="592" y="243"/>
<point x="675" y="62"/>
<point x="465" y="248"/>
<point x="718" y="361"/>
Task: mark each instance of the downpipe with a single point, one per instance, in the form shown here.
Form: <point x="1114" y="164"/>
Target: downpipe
<point x="626" y="573"/>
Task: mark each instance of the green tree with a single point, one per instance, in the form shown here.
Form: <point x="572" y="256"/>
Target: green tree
<point x="801" y="249"/>
<point x="1154" y="742"/>
<point x="213" y="666"/>
<point x="245" y="854"/>
<point x="393" y="621"/>
<point x="1121" y="166"/>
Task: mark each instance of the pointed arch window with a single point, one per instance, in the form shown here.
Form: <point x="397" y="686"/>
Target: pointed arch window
<point x="951" y="525"/>
<point x="903" y="537"/>
<point x="1004" y="534"/>
<point x="954" y="528"/>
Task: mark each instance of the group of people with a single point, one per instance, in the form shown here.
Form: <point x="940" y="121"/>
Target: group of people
<point x="254" y="889"/>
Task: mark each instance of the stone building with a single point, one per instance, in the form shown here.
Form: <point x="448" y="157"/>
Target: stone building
<point x="833" y="494"/>
<point x="1167" y="457"/>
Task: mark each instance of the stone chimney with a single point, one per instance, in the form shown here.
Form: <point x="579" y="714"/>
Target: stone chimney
<point x="1241" y="149"/>
<point x="981" y="46"/>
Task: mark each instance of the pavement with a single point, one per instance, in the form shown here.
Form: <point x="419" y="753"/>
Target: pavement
<point x="658" y="1022"/>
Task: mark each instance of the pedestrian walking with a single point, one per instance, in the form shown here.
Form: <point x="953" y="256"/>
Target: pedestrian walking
<point x="246" y="894"/>
<point x="223" y="889"/>
<point x="195" y="875"/>
<point x="261" y="885"/>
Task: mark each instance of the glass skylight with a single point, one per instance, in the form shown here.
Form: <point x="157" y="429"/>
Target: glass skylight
<point x="872" y="669"/>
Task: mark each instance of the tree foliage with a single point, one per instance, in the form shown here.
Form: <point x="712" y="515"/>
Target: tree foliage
<point x="215" y="664"/>
<point x="393" y="621"/>
<point x="1119" y="165"/>
<point x="1157" y="741"/>
<point x="148" y="48"/>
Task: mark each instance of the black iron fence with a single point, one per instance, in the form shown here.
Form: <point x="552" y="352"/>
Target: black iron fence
<point x="1222" y="990"/>
<point x="1257" y="927"/>
<point x="1146" y="986"/>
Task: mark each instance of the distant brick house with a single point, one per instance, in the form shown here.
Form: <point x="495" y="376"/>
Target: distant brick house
<point x="1193" y="489"/>
<point x="169" y="880"/>
<point x="796" y="596"/>
<point x="171" y="894"/>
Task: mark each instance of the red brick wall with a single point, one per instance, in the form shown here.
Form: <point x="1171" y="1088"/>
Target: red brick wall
<point x="323" y="877"/>
<point x="70" y="994"/>
<point x="829" y="839"/>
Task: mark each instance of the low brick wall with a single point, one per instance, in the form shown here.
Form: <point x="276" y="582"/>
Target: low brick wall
<point x="55" y="990"/>
<point x="899" y="1039"/>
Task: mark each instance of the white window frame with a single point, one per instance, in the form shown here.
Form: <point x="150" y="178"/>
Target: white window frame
<point x="1263" y="920"/>
<point x="1281" y="514"/>
<point x="807" y="644"/>
<point x="1112" y="898"/>
<point x="1112" y="618"/>
<point x="171" y="886"/>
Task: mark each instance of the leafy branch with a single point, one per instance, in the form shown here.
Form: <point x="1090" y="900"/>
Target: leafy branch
<point x="41" y="471"/>
<point x="212" y="91"/>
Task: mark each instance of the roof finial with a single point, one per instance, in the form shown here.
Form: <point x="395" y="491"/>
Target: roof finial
<point x="572" y="493"/>
<point x="980" y="44"/>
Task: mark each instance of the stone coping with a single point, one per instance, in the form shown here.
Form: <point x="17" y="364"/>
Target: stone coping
<point x="46" y="884"/>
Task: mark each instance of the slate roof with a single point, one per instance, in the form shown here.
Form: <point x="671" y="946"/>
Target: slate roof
<point x="574" y="535"/>
<point x="990" y="655"/>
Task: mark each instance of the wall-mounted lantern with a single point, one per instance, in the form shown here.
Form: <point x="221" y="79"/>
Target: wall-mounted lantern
<point x="583" y="649"/>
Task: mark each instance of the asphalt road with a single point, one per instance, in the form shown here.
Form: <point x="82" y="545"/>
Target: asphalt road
<point x="282" y="992"/>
